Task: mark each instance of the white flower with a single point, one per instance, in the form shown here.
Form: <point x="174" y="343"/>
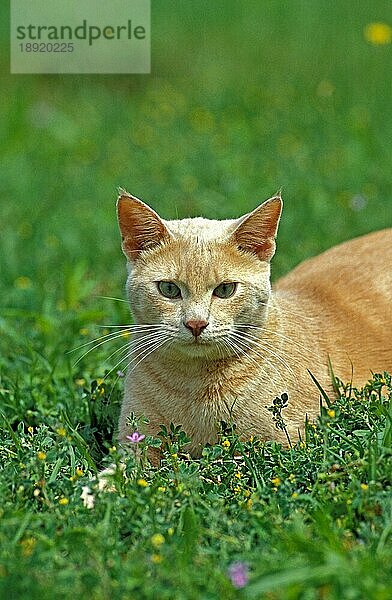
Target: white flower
<point x="87" y="496"/>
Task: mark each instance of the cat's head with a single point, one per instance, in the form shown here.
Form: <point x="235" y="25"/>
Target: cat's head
<point x="204" y="281"/>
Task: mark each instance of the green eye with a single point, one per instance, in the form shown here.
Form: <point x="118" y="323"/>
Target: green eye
<point x="169" y="289"/>
<point x="225" y="290"/>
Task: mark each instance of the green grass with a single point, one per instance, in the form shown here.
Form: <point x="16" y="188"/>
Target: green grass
<point x="243" y="99"/>
<point x="313" y="521"/>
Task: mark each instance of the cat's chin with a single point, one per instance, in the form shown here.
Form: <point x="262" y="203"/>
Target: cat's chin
<point x="208" y="350"/>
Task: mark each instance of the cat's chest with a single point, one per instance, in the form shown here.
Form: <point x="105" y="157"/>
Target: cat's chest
<point x="196" y="401"/>
<point x="196" y="396"/>
<point x="178" y="385"/>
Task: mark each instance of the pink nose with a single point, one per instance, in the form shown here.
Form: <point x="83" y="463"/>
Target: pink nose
<point x="196" y="327"/>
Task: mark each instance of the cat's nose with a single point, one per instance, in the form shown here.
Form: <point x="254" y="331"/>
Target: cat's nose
<point x="196" y="327"/>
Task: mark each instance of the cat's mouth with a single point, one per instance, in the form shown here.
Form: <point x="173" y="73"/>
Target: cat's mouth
<point x="198" y="341"/>
<point x="202" y="347"/>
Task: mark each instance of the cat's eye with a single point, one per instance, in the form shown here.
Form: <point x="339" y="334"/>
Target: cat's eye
<point x="225" y="290"/>
<point x="169" y="289"/>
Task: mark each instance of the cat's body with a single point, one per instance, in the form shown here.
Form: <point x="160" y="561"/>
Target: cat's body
<point x="204" y="354"/>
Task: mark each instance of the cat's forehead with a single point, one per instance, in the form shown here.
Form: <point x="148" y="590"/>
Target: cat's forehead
<point x="200" y="229"/>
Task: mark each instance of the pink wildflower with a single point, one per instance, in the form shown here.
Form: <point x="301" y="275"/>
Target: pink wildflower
<point x="238" y="573"/>
<point x="136" y="437"/>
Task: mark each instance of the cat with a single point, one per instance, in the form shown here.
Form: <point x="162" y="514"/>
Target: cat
<point x="213" y="340"/>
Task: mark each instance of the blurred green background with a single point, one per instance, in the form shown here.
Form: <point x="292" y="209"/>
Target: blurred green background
<point x="244" y="98"/>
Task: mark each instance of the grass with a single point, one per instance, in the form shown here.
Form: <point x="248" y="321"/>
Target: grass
<point x="312" y="521"/>
<point x="260" y="96"/>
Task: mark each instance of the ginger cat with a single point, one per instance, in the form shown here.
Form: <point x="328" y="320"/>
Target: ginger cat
<point x="211" y="336"/>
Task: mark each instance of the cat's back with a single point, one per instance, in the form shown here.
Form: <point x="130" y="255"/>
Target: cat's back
<point x="360" y="266"/>
<point x="347" y="293"/>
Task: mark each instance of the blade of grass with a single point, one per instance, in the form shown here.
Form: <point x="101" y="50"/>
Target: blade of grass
<point x="321" y="390"/>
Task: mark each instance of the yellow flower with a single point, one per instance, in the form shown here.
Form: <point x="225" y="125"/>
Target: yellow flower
<point x="30" y="430"/>
<point x="61" y="431"/>
<point x="249" y="503"/>
<point x="276" y="481"/>
<point x="174" y="455"/>
<point x="83" y="331"/>
<point x="100" y="381"/>
<point x="226" y="444"/>
<point x="331" y="413"/>
<point x="142" y="482"/>
<point x="364" y="486"/>
<point x="294" y="495"/>
<point x="79" y="472"/>
<point x="161" y="489"/>
<point x="252" y="437"/>
<point x="247" y="493"/>
<point x="28" y="546"/>
<point x="201" y="120"/>
<point x="41" y="455"/>
<point x="292" y="478"/>
<point x="157" y="540"/>
<point x="63" y="501"/>
<point x="170" y="531"/>
<point x="22" y="283"/>
<point x="238" y="475"/>
<point x="156" y="558"/>
<point x="378" y="33"/>
<point x="80" y="381"/>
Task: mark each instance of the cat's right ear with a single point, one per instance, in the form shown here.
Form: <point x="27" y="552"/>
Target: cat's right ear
<point x="256" y="231"/>
<point x="141" y="227"/>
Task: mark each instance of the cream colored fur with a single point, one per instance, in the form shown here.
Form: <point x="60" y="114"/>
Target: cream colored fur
<point x="258" y="343"/>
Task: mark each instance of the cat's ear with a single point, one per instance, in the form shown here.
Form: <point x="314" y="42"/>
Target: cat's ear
<point x="256" y="231"/>
<point x="141" y="228"/>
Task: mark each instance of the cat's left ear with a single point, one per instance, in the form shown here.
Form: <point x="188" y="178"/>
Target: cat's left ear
<point x="256" y="231"/>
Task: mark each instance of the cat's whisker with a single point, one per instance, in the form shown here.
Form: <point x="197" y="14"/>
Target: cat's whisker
<point x="258" y="327"/>
<point x="246" y="344"/>
<point x="146" y="338"/>
<point x="113" y="337"/>
<point x="125" y="332"/>
<point x="246" y="350"/>
<point x="263" y="341"/>
<point x="112" y="298"/>
<point x="140" y="349"/>
<point x="227" y="345"/>
<point x="263" y="345"/>
<point x="155" y="347"/>
<point x="220" y="346"/>
<point x="125" y="348"/>
<point x="235" y="344"/>
<point x="133" y="326"/>
<point x="272" y="332"/>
